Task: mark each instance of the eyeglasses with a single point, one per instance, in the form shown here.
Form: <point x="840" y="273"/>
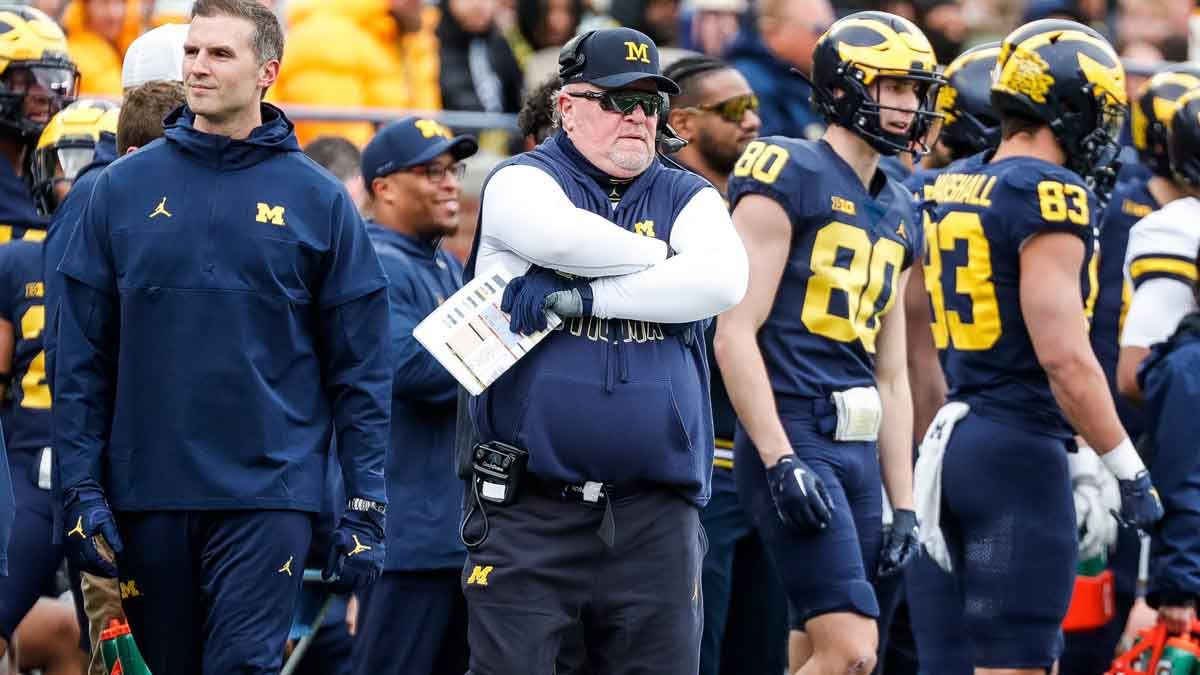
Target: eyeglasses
<point x="624" y="100"/>
<point x="731" y="109"/>
<point x="436" y="173"/>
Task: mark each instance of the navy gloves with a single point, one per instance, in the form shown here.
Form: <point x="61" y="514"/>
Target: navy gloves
<point x="800" y="495"/>
<point x="1140" y="505"/>
<point x="356" y="553"/>
<point x="900" y="543"/>
<point x="527" y="298"/>
<point x="86" y="515"/>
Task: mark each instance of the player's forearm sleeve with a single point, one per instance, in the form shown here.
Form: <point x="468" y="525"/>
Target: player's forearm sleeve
<point x="526" y="212"/>
<point x="358" y="379"/>
<point x="85" y="380"/>
<point x="707" y="276"/>
<point x="416" y="373"/>
<point x="1155" y="311"/>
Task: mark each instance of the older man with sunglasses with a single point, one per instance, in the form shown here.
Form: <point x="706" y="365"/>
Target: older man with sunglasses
<point x="603" y="538"/>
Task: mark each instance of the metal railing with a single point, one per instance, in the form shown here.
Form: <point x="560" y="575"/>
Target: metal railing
<point x="456" y="119"/>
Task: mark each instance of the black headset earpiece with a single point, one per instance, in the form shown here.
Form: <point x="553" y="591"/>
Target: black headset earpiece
<point x="668" y="141"/>
<point x="571" y="58"/>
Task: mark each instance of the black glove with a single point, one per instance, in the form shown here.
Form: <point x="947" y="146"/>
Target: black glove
<point x="1140" y="505"/>
<point x="86" y="515"/>
<point x="356" y="552"/>
<point x="800" y="495"/>
<point x="900" y="543"/>
<point x="527" y="298"/>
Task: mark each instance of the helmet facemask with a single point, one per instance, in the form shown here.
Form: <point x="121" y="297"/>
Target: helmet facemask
<point x="32" y="92"/>
<point x="1094" y="155"/>
<point x="59" y="164"/>
<point x="858" y="108"/>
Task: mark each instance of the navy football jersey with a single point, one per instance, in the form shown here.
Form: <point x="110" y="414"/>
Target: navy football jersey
<point x="1130" y="202"/>
<point x="847" y="251"/>
<point x="920" y="184"/>
<point x="980" y="220"/>
<point x="919" y="180"/>
<point x="19" y="218"/>
<point x="26" y="409"/>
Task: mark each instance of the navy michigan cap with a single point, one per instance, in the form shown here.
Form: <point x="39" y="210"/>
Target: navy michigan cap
<point x="411" y="141"/>
<point x="612" y="58"/>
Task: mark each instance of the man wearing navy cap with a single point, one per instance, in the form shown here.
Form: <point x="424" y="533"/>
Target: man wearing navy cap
<point x="413" y="620"/>
<point x="603" y="539"/>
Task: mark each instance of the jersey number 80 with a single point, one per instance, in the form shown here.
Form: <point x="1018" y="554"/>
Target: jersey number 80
<point x="873" y="269"/>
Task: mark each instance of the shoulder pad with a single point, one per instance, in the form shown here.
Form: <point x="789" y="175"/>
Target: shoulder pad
<point x="1025" y="175"/>
<point x="1173" y="230"/>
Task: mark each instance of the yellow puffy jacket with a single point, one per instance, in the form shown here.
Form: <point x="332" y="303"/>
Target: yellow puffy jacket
<point x="352" y="53"/>
<point x="98" y="60"/>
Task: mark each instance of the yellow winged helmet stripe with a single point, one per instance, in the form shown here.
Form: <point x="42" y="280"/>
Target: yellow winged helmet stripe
<point x="897" y="53"/>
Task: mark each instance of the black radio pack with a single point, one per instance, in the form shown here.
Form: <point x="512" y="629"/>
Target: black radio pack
<point x="498" y="468"/>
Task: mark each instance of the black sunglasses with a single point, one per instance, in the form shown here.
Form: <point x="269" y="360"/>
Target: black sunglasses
<point x="624" y="100"/>
<point x="731" y="109"/>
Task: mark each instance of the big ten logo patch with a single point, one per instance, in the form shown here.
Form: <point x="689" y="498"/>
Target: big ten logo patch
<point x="843" y="205"/>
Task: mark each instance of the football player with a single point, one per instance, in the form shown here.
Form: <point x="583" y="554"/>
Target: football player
<point x="968" y="125"/>
<point x="1159" y="262"/>
<point x="814" y="357"/>
<point x="37" y="79"/>
<point x="969" y="128"/>
<point x="67" y="145"/>
<point x="1012" y="236"/>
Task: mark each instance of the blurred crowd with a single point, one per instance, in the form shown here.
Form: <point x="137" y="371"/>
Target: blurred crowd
<point x="486" y="56"/>
<point x="500" y="57"/>
<point x="481" y="55"/>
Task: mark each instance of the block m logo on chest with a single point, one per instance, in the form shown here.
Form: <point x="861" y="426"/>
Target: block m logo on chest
<point x="269" y="214"/>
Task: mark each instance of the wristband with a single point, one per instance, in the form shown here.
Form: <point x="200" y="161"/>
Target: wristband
<point x="1123" y="461"/>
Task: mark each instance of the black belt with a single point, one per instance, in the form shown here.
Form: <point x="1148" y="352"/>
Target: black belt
<point x="594" y="492"/>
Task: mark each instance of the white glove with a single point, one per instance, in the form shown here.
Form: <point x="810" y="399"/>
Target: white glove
<point x="1097" y="496"/>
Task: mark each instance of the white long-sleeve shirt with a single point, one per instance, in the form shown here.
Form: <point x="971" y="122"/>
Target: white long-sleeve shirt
<point x="1160" y="267"/>
<point x="527" y="219"/>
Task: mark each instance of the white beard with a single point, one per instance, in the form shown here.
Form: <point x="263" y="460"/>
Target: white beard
<point x="630" y="160"/>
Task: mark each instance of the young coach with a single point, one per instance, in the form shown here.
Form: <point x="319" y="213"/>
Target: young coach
<point x="222" y="313"/>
